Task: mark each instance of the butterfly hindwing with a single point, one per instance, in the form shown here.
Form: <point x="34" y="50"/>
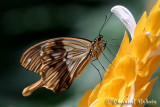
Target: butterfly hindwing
<point x="58" y="61"/>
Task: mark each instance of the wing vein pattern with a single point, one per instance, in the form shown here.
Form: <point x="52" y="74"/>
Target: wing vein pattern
<point x="58" y="61"/>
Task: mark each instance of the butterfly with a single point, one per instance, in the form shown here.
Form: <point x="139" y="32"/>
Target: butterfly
<point x="59" y="61"/>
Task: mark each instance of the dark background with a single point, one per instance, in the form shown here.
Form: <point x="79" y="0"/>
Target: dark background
<point x="24" y="23"/>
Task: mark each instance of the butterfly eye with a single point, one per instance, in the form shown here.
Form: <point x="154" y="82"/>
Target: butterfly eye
<point x="100" y="37"/>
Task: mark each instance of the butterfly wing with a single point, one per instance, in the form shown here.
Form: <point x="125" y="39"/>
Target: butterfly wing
<point x="31" y="59"/>
<point x="58" y="61"/>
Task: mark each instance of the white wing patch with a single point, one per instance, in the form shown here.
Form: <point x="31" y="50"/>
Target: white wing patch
<point x="29" y="60"/>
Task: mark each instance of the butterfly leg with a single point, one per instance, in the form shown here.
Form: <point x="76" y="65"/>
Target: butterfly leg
<point x="97" y="70"/>
<point x="107" y="59"/>
<point x="105" y="46"/>
<point x="100" y="64"/>
<point x="94" y="60"/>
<point x="110" y="51"/>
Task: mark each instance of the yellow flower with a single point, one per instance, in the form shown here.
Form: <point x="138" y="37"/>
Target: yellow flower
<point x="135" y="63"/>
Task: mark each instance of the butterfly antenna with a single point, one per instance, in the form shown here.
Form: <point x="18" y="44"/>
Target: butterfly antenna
<point x="97" y="70"/>
<point x="114" y="39"/>
<point x="113" y="44"/>
<point x="105" y="21"/>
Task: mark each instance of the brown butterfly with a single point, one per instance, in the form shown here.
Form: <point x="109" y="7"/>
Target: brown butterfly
<point x="60" y="60"/>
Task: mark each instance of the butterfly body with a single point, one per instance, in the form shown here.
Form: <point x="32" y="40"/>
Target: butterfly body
<point x="59" y="61"/>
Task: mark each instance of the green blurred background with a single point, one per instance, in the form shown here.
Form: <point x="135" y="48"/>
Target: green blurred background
<point x="24" y="23"/>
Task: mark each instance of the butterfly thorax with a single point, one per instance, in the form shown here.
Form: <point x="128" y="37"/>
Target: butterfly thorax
<point x="97" y="47"/>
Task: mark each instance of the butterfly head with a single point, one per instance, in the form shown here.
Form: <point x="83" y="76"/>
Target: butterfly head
<point x="98" y="40"/>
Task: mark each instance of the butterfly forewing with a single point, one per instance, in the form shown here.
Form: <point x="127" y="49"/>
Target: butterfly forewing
<point x="58" y="61"/>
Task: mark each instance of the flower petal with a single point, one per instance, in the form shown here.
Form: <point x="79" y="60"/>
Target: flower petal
<point x="152" y="23"/>
<point x="154" y="64"/>
<point x="126" y="67"/>
<point x="109" y="90"/>
<point x="124" y="50"/>
<point x="106" y="102"/>
<point x="156" y="7"/>
<point x="144" y="92"/>
<point x="127" y="92"/>
<point x="130" y="97"/>
<point x="109" y="74"/>
<point x="131" y="94"/>
<point x="126" y="17"/>
<point x="94" y="94"/>
<point x="94" y="103"/>
<point x="140" y="47"/>
<point x="155" y="43"/>
<point x="141" y="81"/>
<point x="150" y="65"/>
<point x="140" y="26"/>
<point x="84" y="101"/>
<point x="138" y="105"/>
<point x="154" y="52"/>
